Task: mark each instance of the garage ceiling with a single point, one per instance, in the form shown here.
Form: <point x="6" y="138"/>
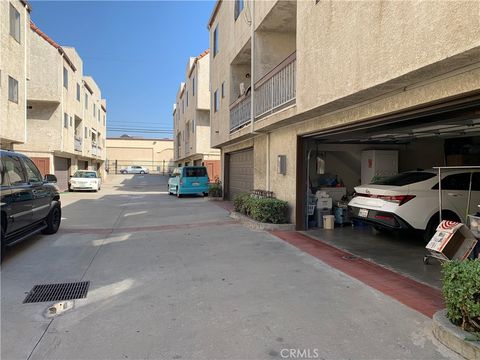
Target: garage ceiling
<point x="445" y="122"/>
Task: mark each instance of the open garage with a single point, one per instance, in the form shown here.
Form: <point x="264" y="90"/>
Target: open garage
<point x="336" y="161"/>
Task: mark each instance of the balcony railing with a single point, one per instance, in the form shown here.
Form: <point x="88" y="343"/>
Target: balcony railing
<point x="277" y="88"/>
<point x="78" y="143"/>
<point x="274" y="91"/>
<point x="240" y="113"/>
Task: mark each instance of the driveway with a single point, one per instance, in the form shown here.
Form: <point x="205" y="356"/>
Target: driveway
<point x="178" y="279"/>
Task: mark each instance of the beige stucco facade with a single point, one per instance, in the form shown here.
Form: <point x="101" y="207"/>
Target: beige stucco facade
<point x="66" y="114"/>
<point x="13" y="65"/>
<point x="354" y="61"/>
<point x="191" y="115"/>
<point x="155" y="154"/>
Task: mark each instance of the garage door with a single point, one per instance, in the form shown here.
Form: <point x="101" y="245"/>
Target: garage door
<point x="240" y="172"/>
<point x="43" y="164"/>
<point x="62" y="169"/>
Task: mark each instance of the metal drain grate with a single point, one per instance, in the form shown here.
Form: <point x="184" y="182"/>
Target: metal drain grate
<point x="56" y="292"/>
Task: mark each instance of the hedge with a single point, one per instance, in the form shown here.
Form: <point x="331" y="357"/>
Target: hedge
<point x="266" y="210"/>
<point x="461" y="291"/>
<point x="215" y="189"/>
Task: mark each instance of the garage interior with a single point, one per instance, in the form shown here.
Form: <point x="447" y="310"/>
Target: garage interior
<point x="442" y="135"/>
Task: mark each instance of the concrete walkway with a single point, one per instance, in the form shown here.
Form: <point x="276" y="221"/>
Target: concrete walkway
<point x="177" y="279"/>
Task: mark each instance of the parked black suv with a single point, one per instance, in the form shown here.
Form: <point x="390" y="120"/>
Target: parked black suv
<point x="29" y="203"/>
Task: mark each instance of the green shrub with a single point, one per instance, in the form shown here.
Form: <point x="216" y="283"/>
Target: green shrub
<point x="215" y="188"/>
<point x="269" y="210"/>
<point x="461" y="290"/>
<point x="241" y="203"/>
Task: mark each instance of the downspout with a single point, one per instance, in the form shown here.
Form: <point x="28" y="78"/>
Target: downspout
<point x="25" y="68"/>
<point x="252" y="67"/>
<point x="268" y="163"/>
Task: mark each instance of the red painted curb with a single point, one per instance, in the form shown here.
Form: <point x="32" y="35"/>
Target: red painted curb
<point x="420" y="297"/>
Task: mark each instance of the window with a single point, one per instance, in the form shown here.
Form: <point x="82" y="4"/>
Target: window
<point x="86" y="101"/>
<point x="98" y="115"/>
<point x="215" y="42"/>
<point x="32" y="172"/>
<point x="193" y="126"/>
<point x="238" y="8"/>
<point x="193" y="86"/>
<point x="195" y="172"/>
<point x="71" y="121"/>
<point x="104" y="121"/>
<point x="14" y="170"/>
<point x="12" y="90"/>
<point x="456" y="182"/>
<point x="216" y="101"/>
<point x="65" y="121"/>
<point x="86" y="132"/>
<point x="94" y="110"/>
<point x="183" y="106"/>
<point x="405" y="178"/>
<point x="65" y="78"/>
<point x="78" y="92"/>
<point x="14" y="23"/>
<point x="223" y="89"/>
<point x="187" y="99"/>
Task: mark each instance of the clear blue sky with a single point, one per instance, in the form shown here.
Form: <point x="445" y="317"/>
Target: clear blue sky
<point x="136" y="51"/>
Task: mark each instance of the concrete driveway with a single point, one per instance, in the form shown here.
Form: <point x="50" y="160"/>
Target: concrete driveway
<point x="178" y="279"/>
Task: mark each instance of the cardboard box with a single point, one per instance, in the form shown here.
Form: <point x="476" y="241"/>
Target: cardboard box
<point x="452" y="241"/>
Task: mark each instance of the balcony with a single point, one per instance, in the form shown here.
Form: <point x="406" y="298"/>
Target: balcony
<point x="240" y="113"/>
<point x="273" y="92"/>
<point x="78" y="143"/>
<point x="276" y="89"/>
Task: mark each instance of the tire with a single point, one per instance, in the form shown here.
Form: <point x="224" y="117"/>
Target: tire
<point x="142" y="172"/>
<point x="53" y="220"/>
<point x="3" y="244"/>
<point x="205" y="194"/>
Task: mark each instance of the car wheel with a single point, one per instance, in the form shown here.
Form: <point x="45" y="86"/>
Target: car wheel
<point x="3" y="245"/>
<point x="205" y="194"/>
<point x="142" y="172"/>
<point x="53" y="220"/>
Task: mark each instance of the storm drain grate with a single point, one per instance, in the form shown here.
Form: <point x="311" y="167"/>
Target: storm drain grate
<point x="56" y="292"/>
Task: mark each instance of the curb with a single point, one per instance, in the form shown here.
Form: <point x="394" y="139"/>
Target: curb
<point x="454" y="337"/>
<point x="255" y="225"/>
<point x="215" y="198"/>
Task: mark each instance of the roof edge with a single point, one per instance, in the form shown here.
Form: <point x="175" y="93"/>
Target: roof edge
<point x="214" y="14"/>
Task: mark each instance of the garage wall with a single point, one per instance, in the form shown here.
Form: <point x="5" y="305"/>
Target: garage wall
<point x="422" y="154"/>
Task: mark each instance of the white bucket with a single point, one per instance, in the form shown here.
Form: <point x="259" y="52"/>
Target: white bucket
<point x="328" y="222"/>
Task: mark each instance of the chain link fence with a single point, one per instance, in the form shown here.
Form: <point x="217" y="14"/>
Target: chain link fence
<point x="154" y="167"/>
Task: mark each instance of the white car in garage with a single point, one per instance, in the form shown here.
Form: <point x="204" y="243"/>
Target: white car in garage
<point x="85" y="180"/>
<point x="410" y="200"/>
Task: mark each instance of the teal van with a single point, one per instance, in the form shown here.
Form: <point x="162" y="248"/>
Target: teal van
<point x="188" y="180"/>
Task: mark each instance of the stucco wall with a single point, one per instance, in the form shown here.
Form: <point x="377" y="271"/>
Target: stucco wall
<point x="13" y="62"/>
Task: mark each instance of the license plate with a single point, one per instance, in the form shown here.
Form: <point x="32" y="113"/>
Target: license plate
<point x="195" y="183"/>
<point x="363" y="212"/>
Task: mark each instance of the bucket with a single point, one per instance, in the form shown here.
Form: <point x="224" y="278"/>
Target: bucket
<point x="328" y="222"/>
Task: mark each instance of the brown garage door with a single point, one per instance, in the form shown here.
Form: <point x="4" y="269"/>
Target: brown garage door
<point x="62" y="169"/>
<point x="43" y="164"/>
<point x="240" y="172"/>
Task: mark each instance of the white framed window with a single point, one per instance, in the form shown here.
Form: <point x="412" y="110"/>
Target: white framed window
<point x="86" y="132"/>
<point x="187" y="99"/>
<point x="65" y="120"/>
<point x="65" y="78"/>
<point x="15" y="23"/>
<point x="216" y="49"/>
<point x="193" y="126"/>
<point x="12" y="90"/>
<point x="193" y="86"/>
<point x="86" y="101"/>
<point x="94" y="110"/>
<point x="223" y="89"/>
<point x="78" y="92"/>
<point x="216" y="101"/>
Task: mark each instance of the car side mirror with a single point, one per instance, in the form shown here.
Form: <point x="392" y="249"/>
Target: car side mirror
<point x="50" y="178"/>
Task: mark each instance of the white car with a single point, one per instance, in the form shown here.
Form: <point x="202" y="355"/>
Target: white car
<point x="134" y="169"/>
<point x="410" y="200"/>
<point x="85" y="180"/>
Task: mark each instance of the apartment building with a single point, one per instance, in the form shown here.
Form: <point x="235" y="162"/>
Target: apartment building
<point x="307" y="86"/>
<point x="191" y="118"/>
<point x="14" y="23"/>
<point x="66" y="115"/>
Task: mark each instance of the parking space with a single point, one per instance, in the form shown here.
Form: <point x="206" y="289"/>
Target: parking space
<point x="177" y="278"/>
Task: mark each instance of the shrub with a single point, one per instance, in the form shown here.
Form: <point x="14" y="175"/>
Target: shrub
<point x="215" y="188"/>
<point x="461" y="290"/>
<point x="269" y="210"/>
<point x="242" y="202"/>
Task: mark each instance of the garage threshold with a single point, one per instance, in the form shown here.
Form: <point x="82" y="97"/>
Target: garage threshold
<point x="421" y="297"/>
